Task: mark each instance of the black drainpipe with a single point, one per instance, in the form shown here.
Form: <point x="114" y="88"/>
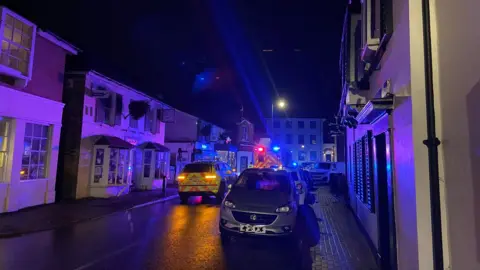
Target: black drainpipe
<point x="432" y="143"/>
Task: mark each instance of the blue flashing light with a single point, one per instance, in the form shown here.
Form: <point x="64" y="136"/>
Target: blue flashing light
<point x="202" y="78"/>
<point x="276" y="148"/>
<point x="294" y="164"/>
<point x="204" y="146"/>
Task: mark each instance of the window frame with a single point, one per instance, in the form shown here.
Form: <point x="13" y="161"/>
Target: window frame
<point x="7" y="141"/>
<point x="46" y="151"/>
<point x="15" y="72"/>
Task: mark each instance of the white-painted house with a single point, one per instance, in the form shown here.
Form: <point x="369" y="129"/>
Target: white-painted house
<point x="32" y="63"/>
<point x="106" y="150"/>
<point x="396" y="69"/>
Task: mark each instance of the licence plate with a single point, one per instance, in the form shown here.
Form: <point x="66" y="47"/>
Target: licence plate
<point x="252" y="229"/>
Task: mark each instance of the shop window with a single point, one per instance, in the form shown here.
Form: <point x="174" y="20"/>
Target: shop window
<point x="160" y="164"/>
<point x="147" y="163"/>
<point x="4" y="137"/>
<point x="117" y="167"/>
<point x="35" y="152"/>
<point x="98" y="170"/>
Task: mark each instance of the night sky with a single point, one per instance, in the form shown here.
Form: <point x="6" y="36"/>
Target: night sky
<point x="206" y="57"/>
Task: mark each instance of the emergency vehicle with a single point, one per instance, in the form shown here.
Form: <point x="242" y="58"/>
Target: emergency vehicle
<point x="264" y="158"/>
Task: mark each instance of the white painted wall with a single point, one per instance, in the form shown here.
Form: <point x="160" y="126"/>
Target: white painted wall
<point x="90" y="129"/>
<point x="25" y="108"/>
<point x="456" y="43"/>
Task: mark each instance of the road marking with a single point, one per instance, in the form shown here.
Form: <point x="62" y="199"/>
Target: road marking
<point x="109" y="255"/>
<point x="156" y="201"/>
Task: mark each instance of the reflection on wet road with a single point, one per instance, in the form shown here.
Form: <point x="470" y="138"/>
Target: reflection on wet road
<point x="160" y="236"/>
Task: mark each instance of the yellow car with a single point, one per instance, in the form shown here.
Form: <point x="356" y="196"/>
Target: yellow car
<point x="205" y="179"/>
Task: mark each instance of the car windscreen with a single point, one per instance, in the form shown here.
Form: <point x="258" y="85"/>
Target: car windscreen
<point x="323" y="166"/>
<point x="263" y="181"/>
<point x="197" y="168"/>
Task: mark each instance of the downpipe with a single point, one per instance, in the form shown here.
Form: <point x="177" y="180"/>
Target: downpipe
<point x="432" y="142"/>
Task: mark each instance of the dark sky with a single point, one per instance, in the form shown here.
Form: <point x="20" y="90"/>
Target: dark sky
<point x="159" y="46"/>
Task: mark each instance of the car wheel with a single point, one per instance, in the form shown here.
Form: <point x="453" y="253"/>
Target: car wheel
<point x="183" y="199"/>
<point x="221" y="192"/>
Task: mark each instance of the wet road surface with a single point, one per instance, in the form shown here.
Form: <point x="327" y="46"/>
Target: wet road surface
<point x="160" y="236"/>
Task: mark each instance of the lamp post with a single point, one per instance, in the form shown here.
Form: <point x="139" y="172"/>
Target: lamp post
<point x="281" y="104"/>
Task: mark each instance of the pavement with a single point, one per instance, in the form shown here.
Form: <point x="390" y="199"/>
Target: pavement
<point x="173" y="236"/>
<point x="56" y="215"/>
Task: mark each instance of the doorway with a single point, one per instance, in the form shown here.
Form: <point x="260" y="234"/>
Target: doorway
<point x="387" y="243"/>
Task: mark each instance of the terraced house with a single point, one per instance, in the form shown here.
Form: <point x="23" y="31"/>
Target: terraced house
<point x="410" y="91"/>
<point x="32" y="64"/>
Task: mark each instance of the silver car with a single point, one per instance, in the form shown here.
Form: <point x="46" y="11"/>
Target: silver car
<point x="260" y="203"/>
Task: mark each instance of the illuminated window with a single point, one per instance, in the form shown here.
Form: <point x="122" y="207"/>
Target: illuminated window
<point x="35" y="152"/>
<point x="4" y="136"/>
<point x="17" y="42"/>
<point x="117" y="169"/>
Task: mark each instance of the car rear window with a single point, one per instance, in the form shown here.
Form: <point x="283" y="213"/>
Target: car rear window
<point x="265" y="181"/>
<point x="197" y="168"/>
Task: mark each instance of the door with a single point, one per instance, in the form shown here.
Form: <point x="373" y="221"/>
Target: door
<point x="387" y="246"/>
<point x="148" y="169"/>
<point x="243" y="163"/>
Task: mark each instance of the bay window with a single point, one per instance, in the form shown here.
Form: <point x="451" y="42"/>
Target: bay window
<point x="35" y="152"/>
<point x="17" y="40"/>
<point x="161" y="164"/>
<point x="117" y="167"/>
<point x="4" y="147"/>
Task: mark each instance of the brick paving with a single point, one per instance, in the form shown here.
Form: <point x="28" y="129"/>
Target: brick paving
<point x="56" y="215"/>
<point x="342" y="245"/>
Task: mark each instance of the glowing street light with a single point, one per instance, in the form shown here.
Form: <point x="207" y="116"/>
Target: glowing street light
<point x="281" y="103"/>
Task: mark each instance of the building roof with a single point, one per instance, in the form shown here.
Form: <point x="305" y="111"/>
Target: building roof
<point x="58" y="41"/>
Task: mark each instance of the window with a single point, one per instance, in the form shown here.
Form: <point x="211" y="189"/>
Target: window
<point x="288" y="139"/>
<point x="99" y="159"/>
<point x="313" y="155"/>
<point x="4" y="137"/>
<point x="133" y="122"/>
<point x="288" y="124"/>
<point x="313" y="124"/>
<point x="147" y="163"/>
<point x="118" y="166"/>
<point x="91" y="111"/>
<point x="302" y="156"/>
<point x="301" y="139"/>
<point x="197" y="168"/>
<point x="103" y="109"/>
<point x="276" y="124"/>
<point x="118" y="109"/>
<point x="16" y="44"/>
<point x="152" y="121"/>
<point x="86" y="110"/>
<point x="313" y="139"/>
<point x="35" y="152"/>
<point x="264" y="182"/>
<point x="244" y="134"/>
<point x="160" y="164"/>
<point x="301" y="124"/>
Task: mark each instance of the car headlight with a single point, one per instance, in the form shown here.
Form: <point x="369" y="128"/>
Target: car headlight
<point x="228" y="204"/>
<point x="284" y="209"/>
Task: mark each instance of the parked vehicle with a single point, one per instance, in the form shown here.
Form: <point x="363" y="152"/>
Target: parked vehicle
<point x="320" y="174"/>
<point x="301" y="185"/>
<point x="260" y="203"/>
<point x="205" y="179"/>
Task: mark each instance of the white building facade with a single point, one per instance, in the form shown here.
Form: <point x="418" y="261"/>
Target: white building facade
<point x="30" y="111"/>
<point x="385" y="110"/>
<point x="300" y="139"/>
<point x="113" y="151"/>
